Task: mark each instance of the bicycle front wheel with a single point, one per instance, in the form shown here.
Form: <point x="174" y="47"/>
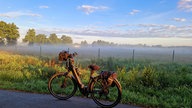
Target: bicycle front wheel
<point x="62" y="86"/>
<point x="104" y="96"/>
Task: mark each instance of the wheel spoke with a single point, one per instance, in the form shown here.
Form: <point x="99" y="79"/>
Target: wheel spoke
<point x="104" y="95"/>
<point x="62" y="87"/>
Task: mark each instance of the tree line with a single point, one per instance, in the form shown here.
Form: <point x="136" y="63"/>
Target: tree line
<point x="32" y="38"/>
<point x="98" y="43"/>
<point x="9" y="34"/>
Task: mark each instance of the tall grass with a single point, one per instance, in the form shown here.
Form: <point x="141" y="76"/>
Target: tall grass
<point x="144" y="83"/>
<point x="24" y="72"/>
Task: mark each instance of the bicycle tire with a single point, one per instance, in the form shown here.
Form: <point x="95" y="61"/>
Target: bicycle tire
<point x="105" y="103"/>
<point x="62" y="86"/>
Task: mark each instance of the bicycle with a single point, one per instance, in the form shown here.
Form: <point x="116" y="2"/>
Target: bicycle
<point x="105" y="89"/>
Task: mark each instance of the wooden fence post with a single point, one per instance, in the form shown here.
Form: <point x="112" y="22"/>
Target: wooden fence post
<point x="68" y="50"/>
<point x="133" y="56"/>
<point x="99" y="52"/>
<point x="16" y="48"/>
<point x="40" y="51"/>
<point x="173" y="56"/>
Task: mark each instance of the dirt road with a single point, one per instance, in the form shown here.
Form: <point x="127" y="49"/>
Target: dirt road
<point x="14" y="99"/>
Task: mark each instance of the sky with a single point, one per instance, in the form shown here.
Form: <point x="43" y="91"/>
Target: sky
<point x="151" y="22"/>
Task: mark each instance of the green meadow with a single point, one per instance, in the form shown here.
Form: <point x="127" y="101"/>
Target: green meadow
<point x="144" y="83"/>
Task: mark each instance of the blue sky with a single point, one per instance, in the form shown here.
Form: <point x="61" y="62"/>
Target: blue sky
<point x="152" y="22"/>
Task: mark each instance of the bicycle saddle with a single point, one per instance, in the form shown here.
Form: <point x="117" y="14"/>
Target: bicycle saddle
<point x="94" y="67"/>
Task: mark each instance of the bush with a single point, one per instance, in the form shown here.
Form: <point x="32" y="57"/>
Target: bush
<point x="149" y="77"/>
<point x="13" y="76"/>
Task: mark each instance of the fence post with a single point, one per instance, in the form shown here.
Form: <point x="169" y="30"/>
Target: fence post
<point x="40" y="51"/>
<point x="16" y="48"/>
<point x="133" y="56"/>
<point x="173" y="56"/>
<point x="99" y="53"/>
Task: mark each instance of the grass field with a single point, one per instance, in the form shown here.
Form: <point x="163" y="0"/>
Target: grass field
<point x="145" y="83"/>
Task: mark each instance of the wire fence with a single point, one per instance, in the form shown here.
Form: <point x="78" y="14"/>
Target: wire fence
<point x="158" y="54"/>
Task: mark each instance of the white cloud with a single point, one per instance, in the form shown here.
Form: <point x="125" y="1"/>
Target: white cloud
<point x="15" y="14"/>
<point x="43" y="7"/>
<point x="134" y="11"/>
<point x="90" y="9"/>
<point x="185" y="5"/>
<point x="138" y="31"/>
<point x="122" y="25"/>
<point x="179" y="19"/>
<point x="148" y="25"/>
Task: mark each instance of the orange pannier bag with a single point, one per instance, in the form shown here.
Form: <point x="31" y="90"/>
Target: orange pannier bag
<point x="109" y="76"/>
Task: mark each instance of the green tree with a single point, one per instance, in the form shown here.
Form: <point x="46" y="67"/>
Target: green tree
<point x="8" y="33"/>
<point x="41" y="39"/>
<point x="103" y="43"/>
<point x="12" y="34"/>
<point x="30" y="37"/>
<point x="66" y="39"/>
<point x="2" y="32"/>
<point x="84" y="43"/>
<point x="100" y="42"/>
<point x="53" y="39"/>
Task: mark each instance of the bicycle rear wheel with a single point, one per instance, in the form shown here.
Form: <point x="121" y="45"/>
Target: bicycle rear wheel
<point x="62" y="86"/>
<point x="106" y="97"/>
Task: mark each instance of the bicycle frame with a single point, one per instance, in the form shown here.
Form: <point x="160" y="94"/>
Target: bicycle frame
<point x="85" y="90"/>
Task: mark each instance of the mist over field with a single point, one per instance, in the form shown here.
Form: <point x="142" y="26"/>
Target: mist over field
<point x="158" y="54"/>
